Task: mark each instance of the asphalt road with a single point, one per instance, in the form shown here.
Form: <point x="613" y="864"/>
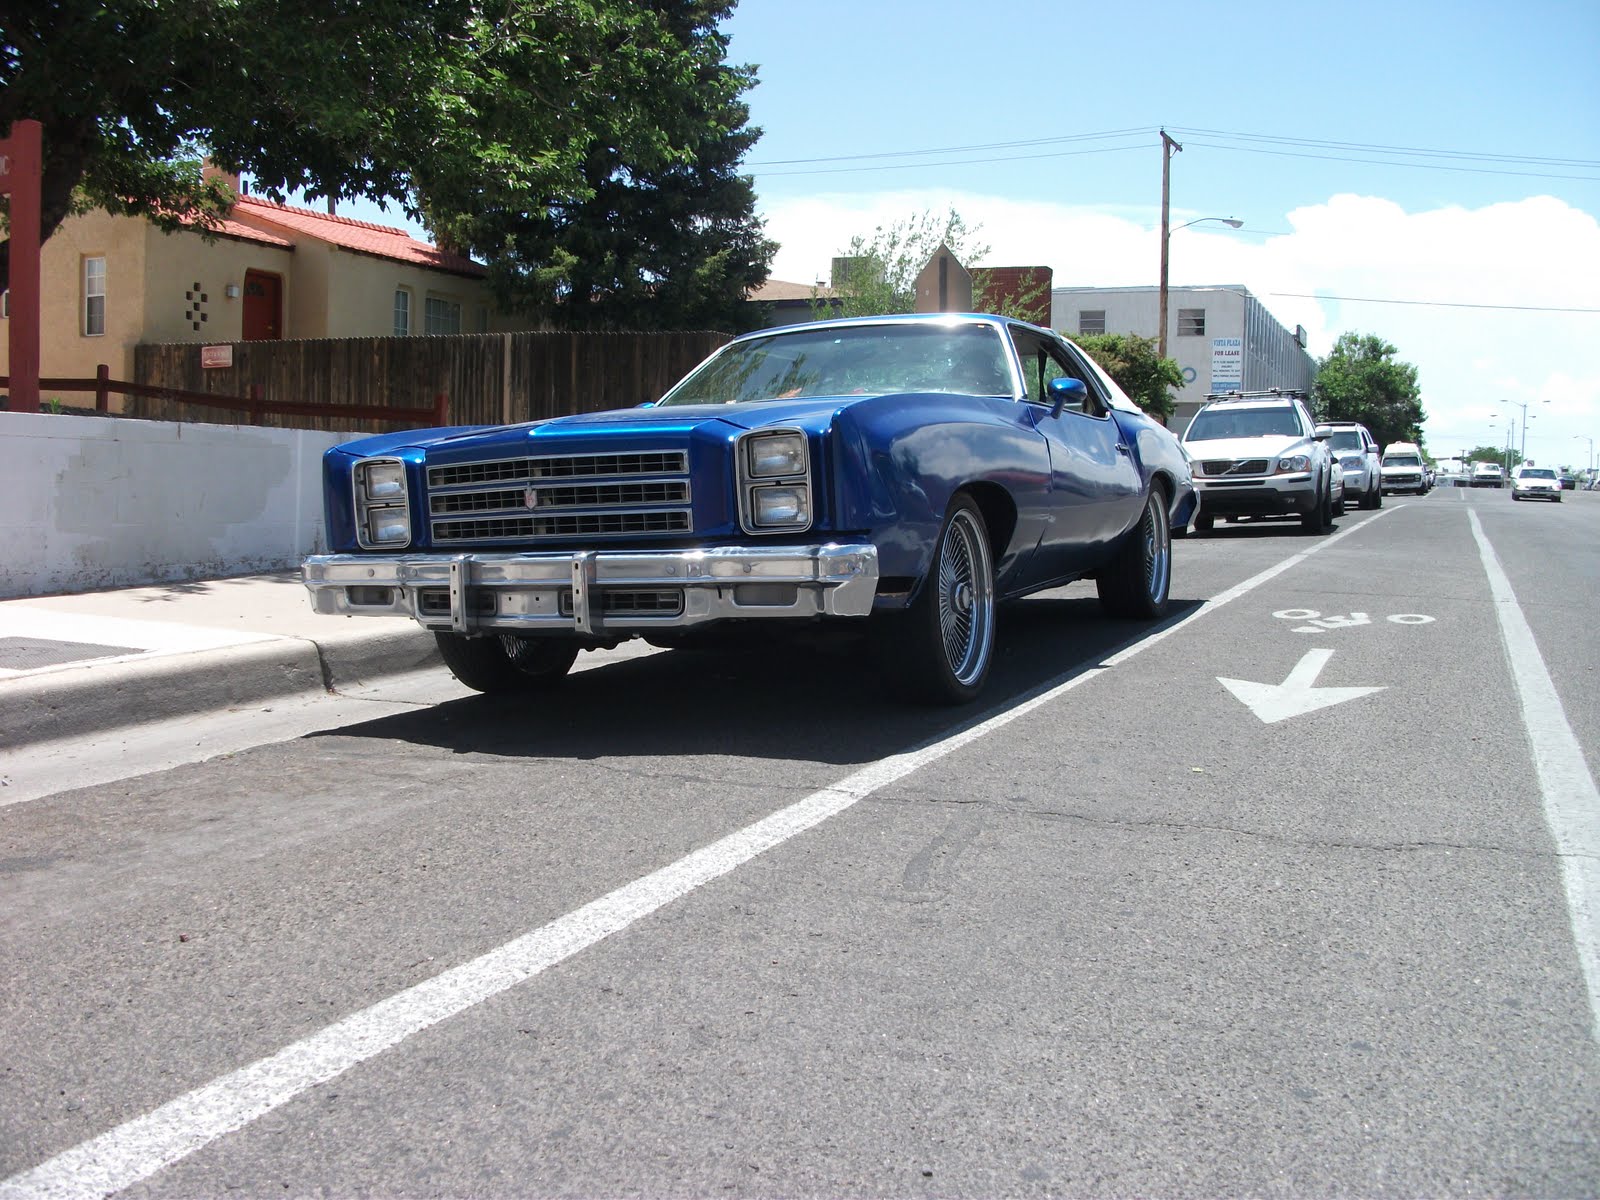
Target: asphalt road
<point x="739" y="925"/>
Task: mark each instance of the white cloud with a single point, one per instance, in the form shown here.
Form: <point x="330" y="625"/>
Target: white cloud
<point x="1538" y="253"/>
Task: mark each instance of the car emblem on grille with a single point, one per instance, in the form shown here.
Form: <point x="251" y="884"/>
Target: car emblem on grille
<point x="530" y="498"/>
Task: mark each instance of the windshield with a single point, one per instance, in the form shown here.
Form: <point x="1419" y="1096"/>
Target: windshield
<point x="1345" y="439"/>
<point x="1402" y="460"/>
<point x="1214" y="424"/>
<point x="1487" y="468"/>
<point x="1536" y="473"/>
<point x="852" y="361"/>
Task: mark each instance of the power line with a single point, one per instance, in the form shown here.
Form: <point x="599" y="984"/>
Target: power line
<point x="960" y="162"/>
<point x="1361" y="152"/>
<point x="1376" y="148"/>
<point x="1389" y="162"/>
<point x="1076" y="137"/>
<point x="1435" y="303"/>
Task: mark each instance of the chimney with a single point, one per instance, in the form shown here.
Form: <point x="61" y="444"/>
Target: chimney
<point x="209" y="171"/>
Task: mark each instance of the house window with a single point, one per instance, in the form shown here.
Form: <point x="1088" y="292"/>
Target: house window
<point x="441" y="316"/>
<point x="1092" y="320"/>
<point x="1191" y="322"/>
<point x="94" y="297"/>
<point x="402" y="312"/>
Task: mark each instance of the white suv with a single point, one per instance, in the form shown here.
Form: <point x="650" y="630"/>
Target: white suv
<point x="1357" y="452"/>
<point x="1260" y="454"/>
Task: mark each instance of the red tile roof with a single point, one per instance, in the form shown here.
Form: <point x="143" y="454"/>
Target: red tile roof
<point x="362" y="237"/>
<point x="227" y="227"/>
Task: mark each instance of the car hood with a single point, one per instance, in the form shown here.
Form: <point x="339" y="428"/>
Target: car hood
<point x="810" y="414"/>
<point x="1253" y="447"/>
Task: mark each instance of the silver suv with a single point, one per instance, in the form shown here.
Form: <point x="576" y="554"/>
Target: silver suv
<point x="1358" y="454"/>
<point x="1259" y="454"/>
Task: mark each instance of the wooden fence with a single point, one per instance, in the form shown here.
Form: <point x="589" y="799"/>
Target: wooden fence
<point x="489" y="378"/>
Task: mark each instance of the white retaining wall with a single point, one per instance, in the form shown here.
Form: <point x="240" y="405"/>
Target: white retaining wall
<point x="100" y="502"/>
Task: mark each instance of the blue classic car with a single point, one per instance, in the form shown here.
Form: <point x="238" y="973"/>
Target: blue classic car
<point x="897" y="474"/>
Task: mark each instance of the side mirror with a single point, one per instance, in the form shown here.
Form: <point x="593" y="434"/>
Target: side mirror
<point x="1322" y="431"/>
<point x="1065" y="392"/>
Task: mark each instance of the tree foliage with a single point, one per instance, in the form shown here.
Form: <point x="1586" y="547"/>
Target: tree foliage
<point x="586" y="149"/>
<point x="882" y="267"/>
<point x="655" y="227"/>
<point x="1495" y="454"/>
<point x="1139" y="370"/>
<point x="1361" y="380"/>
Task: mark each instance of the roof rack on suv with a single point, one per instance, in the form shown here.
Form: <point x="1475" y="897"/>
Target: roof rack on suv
<point x="1264" y="394"/>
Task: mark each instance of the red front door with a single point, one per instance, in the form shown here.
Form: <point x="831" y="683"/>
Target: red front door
<point x="263" y="307"/>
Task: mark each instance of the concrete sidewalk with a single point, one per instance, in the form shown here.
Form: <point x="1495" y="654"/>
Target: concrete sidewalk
<point x="75" y="665"/>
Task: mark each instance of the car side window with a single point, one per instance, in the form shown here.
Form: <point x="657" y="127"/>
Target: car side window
<point x="1042" y="361"/>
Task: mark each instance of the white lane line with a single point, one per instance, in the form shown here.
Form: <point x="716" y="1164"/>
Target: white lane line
<point x="139" y="1148"/>
<point x="1571" y="802"/>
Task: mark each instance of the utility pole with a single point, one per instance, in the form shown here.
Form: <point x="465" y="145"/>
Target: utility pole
<point x="1168" y="149"/>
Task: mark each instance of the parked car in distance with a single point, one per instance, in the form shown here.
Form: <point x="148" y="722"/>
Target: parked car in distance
<point x="1258" y="454"/>
<point x="1404" y="469"/>
<point x="1569" y="482"/>
<point x="1358" y="455"/>
<point x="1536" y="483"/>
<point x="1488" y="474"/>
<point x="896" y="476"/>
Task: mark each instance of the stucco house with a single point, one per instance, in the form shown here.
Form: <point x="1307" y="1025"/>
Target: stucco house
<point x="270" y="271"/>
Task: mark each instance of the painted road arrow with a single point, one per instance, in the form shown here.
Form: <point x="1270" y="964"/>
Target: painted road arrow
<point x="1296" y="695"/>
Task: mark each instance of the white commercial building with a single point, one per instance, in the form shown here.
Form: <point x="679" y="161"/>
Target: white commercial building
<point x="1223" y="338"/>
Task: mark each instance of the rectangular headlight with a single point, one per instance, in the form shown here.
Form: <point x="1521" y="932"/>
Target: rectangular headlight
<point x="383" y="479"/>
<point x="383" y="509"/>
<point x="388" y="527"/>
<point x="783" y="505"/>
<point x="776" y="454"/>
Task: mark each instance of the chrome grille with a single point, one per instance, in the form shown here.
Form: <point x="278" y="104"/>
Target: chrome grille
<point x="560" y="496"/>
<point x="1229" y="466"/>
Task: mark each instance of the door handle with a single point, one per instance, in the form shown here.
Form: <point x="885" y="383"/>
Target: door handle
<point x="1122" y="448"/>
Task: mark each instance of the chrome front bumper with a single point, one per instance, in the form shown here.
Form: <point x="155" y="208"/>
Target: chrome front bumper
<point x="598" y="592"/>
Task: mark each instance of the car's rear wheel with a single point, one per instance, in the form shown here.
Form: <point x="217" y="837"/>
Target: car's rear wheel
<point x="497" y="664"/>
<point x="1137" y="581"/>
<point x="940" y="649"/>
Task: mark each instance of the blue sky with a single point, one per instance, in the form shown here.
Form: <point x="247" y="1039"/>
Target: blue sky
<point x="1444" y="155"/>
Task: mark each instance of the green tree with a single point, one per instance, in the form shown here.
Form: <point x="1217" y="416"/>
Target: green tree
<point x="1495" y="454"/>
<point x="656" y="228"/>
<point x="1361" y="380"/>
<point x="614" y="116"/>
<point x="131" y="93"/>
<point x="1133" y="362"/>
<point x="882" y="267"/>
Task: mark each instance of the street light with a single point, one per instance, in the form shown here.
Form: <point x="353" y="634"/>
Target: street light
<point x="1166" y="236"/>
<point x="1578" y="437"/>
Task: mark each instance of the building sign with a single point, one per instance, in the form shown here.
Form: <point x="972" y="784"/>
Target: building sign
<point x="1227" y="364"/>
<point x="216" y="356"/>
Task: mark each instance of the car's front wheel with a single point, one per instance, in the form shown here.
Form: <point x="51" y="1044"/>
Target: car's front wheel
<point x="497" y="664"/>
<point x="1320" y="516"/>
<point x="1137" y="581"/>
<point x="941" y="647"/>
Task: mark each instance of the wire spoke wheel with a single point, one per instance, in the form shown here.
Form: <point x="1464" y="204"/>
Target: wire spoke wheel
<point x="1137" y="582"/>
<point x="966" y="597"/>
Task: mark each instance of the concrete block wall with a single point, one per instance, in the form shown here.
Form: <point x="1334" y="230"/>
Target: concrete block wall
<point x="102" y="502"/>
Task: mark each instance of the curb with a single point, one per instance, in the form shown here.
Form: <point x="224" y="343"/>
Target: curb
<point x="93" y="699"/>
